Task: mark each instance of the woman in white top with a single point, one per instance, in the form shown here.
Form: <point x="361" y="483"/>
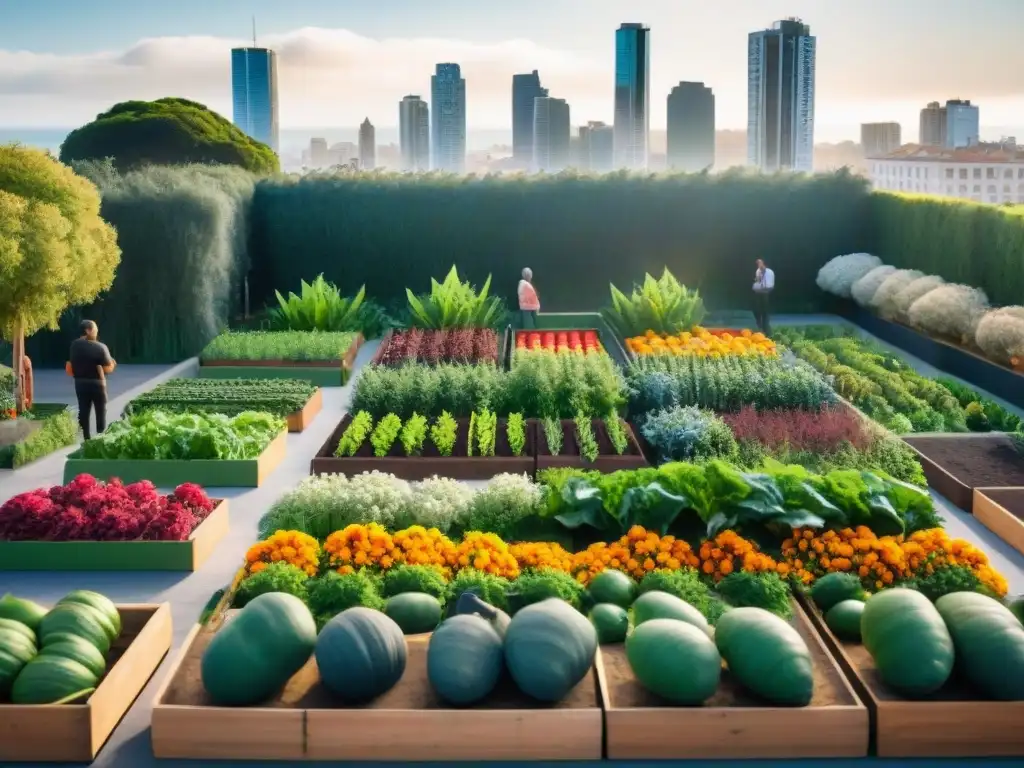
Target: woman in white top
<point x="764" y="284"/>
<point x="529" y="303"/>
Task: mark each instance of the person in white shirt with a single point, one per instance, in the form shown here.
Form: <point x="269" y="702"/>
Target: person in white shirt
<point x="764" y="284"/>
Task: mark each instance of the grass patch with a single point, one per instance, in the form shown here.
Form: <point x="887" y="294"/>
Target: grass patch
<point x="291" y="346"/>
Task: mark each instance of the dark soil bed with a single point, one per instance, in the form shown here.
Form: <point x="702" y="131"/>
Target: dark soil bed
<point x="980" y="461"/>
<point x="1010" y="499"/>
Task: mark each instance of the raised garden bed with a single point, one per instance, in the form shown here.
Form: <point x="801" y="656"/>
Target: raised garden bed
<point x="454" y="345"/>
<point x="323" y="373"/>
<point x="186" y="555"/>
<point x="209" y="473"/>
<point x="75" y="733"/>
<point x="957" y="464"/>
<point x="954" y="722"/>
<point x="1002" y="512"/>
<point x="568" y="323"/>
<point x="458" y="466"/>
<point x="24" y="440"/>
<point x="299" y="420"/>
<point x="607" y="459"/>
<point x="406" y="724"/>
<point x="733" y="723"/>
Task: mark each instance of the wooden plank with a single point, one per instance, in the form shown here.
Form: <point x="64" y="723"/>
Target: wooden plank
<point x="997" y="518"/>
<point x="298" y="421"/>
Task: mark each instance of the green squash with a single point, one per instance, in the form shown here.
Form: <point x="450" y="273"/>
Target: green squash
<point x="464" y="660"/>
<point x="549" y="649"/>
<point x="610" y="621"/>
<point x="361" y="654"/>
<point x="258" y="650"/>
<point x="51" y="679"/>
<point x="989" y="643"/>
<point x="662" y="605"/>
<point x="909" y="641"/>
<point x="843" y="619"/>
<point x="766" y="655"/>
<point x="674" y="660"/>
<point x="21" y="629"/>
<point x="20" y="610"/>
<point x="76" y="619"/>
<point x="615" y="587"/>
<point x="469" y="604"/>
<point x="75" y="648"/>
<point x="104" y="605"/>
<point x="1016" y="607"/>
<point x="17" y="645"/>
<point x="10" y="667"/>
<point x="414" y="612"/>
<point x="833" y="588"/>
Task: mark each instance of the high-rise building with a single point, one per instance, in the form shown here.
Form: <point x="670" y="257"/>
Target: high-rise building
<point x="448" y="119"/>
<point x="962" y="124"/>
<point x="550" y="134"/>
<point x="414" y="133"/>
<point x="367" y="146"/>
<point x="343" y="153"/>
<point x="525" y="88"/>
<point x="317" y="153"/>
<point x="933" y="125"/>
<point x="878" y="139"/>
<point x="597" y="147"/>
<point x="254" y="93"/>
<point x="780" y="97"/>
<point x="691" y="127"/>
<point x="632" y="95"/>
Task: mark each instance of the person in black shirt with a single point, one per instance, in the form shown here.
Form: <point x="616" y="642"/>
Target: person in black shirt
<point x="90" y="363"/>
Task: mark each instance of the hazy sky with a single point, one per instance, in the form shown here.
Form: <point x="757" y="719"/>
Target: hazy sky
<point x="63" y="61"/>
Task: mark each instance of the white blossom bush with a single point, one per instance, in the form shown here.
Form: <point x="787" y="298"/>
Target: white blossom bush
<point x="951" y="311"/>
<point x="884" y="300"/>
<point x="1000" y="335"/>
<point x="504" y="504"/>
<point x="838" y="275"/>
<point x="863" y="291"/>
<point x="437" y="502"/>
<point x="913" y="291"/>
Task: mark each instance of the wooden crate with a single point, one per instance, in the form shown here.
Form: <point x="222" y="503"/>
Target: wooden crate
<point x="990" y="507"/>
<point x="951" y="723"/>
<point x="298" y="421"/>
<point x="75" y="733"/>
<point x="186" y="555"/>
<point x="733" y="724"/>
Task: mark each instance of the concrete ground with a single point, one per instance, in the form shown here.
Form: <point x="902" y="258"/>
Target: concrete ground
<point x="129" y="746"/>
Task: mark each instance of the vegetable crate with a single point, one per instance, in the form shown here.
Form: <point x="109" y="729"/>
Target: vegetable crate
<point x="1002" y="512"/>
<point x="169" y="473"/>
<point x="323" y="373"/>
<point x="570" y="455"/>
<point x="954" y="722"/>
<point x="186" y="555"/>
<point x="75" y="733"/>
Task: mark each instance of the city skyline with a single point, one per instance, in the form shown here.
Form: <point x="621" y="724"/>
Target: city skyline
<point x="369" y="64"/>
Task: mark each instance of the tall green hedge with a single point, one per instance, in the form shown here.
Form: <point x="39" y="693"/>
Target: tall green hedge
<point x="577" y="233"/>
<point x="962" y="241"/>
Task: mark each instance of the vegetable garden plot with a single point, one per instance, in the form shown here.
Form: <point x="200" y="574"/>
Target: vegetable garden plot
<point x="324" y="358"/>
<point x="47" y="427"/>
<point x="605" y="445"/>
<point x="956" y="465"/>
<point x="455" y="345"/>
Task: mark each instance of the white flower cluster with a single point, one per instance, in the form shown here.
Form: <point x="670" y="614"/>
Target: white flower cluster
<point x="863" y="291"/>
<point x="839" y="274"/>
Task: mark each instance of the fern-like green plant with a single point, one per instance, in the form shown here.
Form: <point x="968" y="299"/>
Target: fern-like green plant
<point x="662" y="305"/>
<point x="443" y="433"/>
<point x="515" y="430"/>
<point x="319" y="307"/>
<point x="455" y="304"/>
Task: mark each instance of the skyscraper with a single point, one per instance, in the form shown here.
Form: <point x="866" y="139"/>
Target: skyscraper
<point x="367" y="146"/>
<point x="597" y="142"/>
<point x="632" y="95"/>
<point x="414" y="133"/>
<point x="254" y="93"/>
<point x="933" y="125"/>
<point x="448" y="121"/>
<point x="550" y="134"/>
<point x="879" y="139"/>
<point x="962" y="124"/>
<point x="691" y="127"/>
<point x="780" y="97"/>
<point x="525" y="88"/>
<point x="317" y="153"/>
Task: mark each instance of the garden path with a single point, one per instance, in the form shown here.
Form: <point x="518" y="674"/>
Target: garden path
<point x="129" y="746"/>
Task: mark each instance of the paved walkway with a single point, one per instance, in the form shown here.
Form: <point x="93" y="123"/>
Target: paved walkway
<point x="130" y="747"/>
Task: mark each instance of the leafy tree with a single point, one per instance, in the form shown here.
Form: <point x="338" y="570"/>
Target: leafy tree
<point x="55" y="250"/>
<point x="168" y="131"/>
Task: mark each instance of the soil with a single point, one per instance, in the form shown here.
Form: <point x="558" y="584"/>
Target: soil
<point x="570" y="445"/>
<point x="624" y="692"/>
<point x="14" y="431"/>
<point x="977" y="461"/>
<point x="1010" y="499"/>
<point x="413" y="691"/>
<point x="501" y="446"/>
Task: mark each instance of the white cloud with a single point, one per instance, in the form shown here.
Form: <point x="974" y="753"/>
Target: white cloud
<point x="327" y="77"/>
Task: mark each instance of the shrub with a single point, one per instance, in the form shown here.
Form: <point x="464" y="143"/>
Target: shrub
<point x="455" y="304"/>
<point x="863" y="291"/>
<point x="839" y="274"/>
<point x="884" y="300"/>
<point x="320" y="307"/>
<point x="688" y="434"/>
<point x="503" y="505"/>
<point x="800" y="430"/>
<point x="428" y="579"/>
<point x="914" y="290"/>
<point x="949" y="311"/>
<point x="1000" y="335"/>
<point x="661" y="305"/>
<point x="276" y="577"/>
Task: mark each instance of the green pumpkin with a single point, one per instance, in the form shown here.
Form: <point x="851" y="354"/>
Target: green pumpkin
<point x="361" y="654"/>
<point x="21" y="610"/>
<point x="50" y="680"/>
<point x="77" y="619"/>
<point x="615" y="587"/>
<point x="414" y="612"/>
<point x="103" y="605"/>
<point x="464" y="660"/>
<point x="469" y="604"/>
<point x="833" y="588"/>
<point x="662" y="605"/>
<point x="674" y="660"/>
<point x="1016" y="607"/>
<point x="843" y="619"/>
<point x="908" y="640"/>
<point x="258" y="650"/>
<point x="610" y="621"/>
<point x="549" y="649"/>
<point x="75" y="648"/>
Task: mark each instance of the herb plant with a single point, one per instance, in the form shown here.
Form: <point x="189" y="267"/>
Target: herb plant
<point x="553" y="435"/>
<point x="443" y="433"/>
<point x="319" y="307"/>
<point x="515" y="431"/>
<point x="661" y="305"/>
<point x="428" y="579"/>
<point x="585" y="439"/>
<point x="758" y="590"/>
<point x="276" y="577"/>
<point x="503" y="505"/>
<point x="332" y="593"/>
<point x="355" y="434"/>
<point x="486" y="432"/>
<point x="385" y="434"/>
<point x="616" y="433"/>
<point x="413" y="434"/>
<point x="471" y="434"/>
<point x="455" y="304"/>
<point x="688" y="434"/>
<point x="296" y="346"/>
<point x="227" y="396"/>
<point x="533" y="586"/>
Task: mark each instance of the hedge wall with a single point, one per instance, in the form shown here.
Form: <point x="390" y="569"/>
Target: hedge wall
<point x="576" y="233"/>
<point x="962" y="241"/>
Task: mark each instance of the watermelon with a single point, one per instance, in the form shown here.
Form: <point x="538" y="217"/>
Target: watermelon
<point x="103" y="605"/>
<point x="674" y="660"/>
<point x="615" y="587"/>
<point x="21" y="629"/>
<point x="843" y="619"/>
<point x="662" y="605"/>
<point x="77" y="619"/>
<point x="24" y="611"/>
<point x="77" y="649"/>
<point x="834" y="588"/>
<point x="51" y="679"/>
<point x="610" y="621"/>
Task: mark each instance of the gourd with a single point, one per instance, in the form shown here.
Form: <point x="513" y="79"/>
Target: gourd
<point x="75" y="648"/>
<point x="21" y="610"/>
<point x="50" y="680"/>
<point x="844" y="619"/>
<point x="610" y="621"/>
<point x="1016" y="607"/>
<point x="988" y="641"/>
<point x="766" y="655"/>
<point x="258" y="650"/>
<point x="103" y="605"/>
<point x="662" y="605"/>
<point x="16" y="626"/>
<point x="77" y="619"/>
<point x="833" y="588"/>
<point x="414" y="612"/>
<point x="16" y="651"/>
<point x="674" y="660"/>
<point x="470" y="604"/>
<point x="549" y="649"/>
<point x="361" y="654"/>
<point x="611" y="586"/>
<point x="908" y="640"/>
<point x="464" y="659"/>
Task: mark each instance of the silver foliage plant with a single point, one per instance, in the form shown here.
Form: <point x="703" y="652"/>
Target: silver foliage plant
<point x="1000" y="335"/>
<point x="884" y="300"/>
<point x="863" y="291"/>
<point x="913" y="291"/>
<point x="838" y="275"/>
<point x="951" y="311"/>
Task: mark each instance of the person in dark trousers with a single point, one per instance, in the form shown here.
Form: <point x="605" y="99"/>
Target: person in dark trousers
<point x="529" y="303"/>
<point x="90" y="363"/>
<point x="764" y="284"/>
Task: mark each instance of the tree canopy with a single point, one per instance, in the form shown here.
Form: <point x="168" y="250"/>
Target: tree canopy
<point x="168" y="131"/>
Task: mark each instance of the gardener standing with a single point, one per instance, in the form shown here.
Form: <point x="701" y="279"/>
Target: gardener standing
<point x="90" y="363"/>
<point x="529" y="303"/>
<point x="764" y="284"/>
